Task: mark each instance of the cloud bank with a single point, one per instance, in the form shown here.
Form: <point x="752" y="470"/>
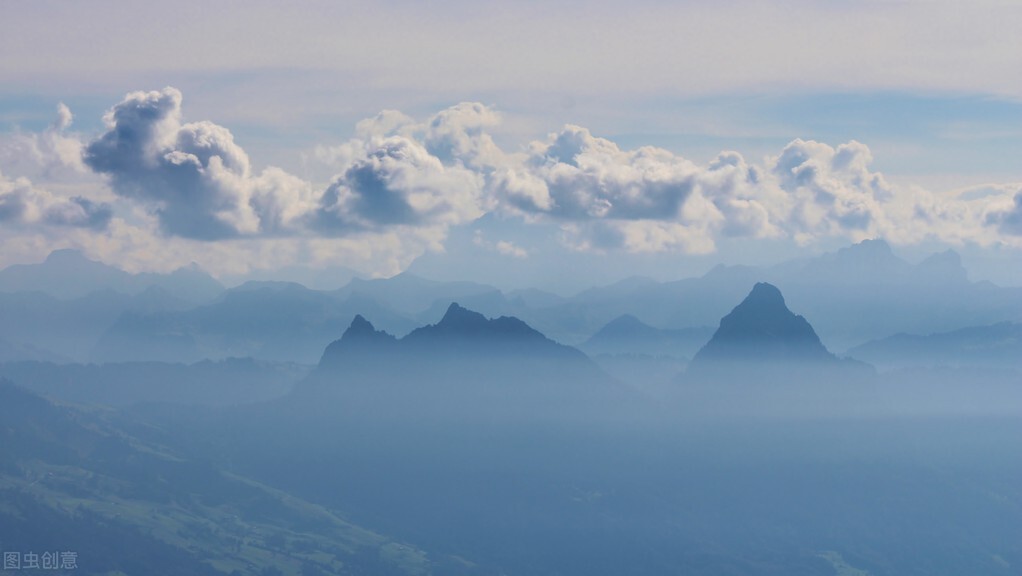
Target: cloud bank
<point x="401" y="184"/>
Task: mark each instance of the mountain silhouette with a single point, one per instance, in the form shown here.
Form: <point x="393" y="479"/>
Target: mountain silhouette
<point x="763" y="329"/>
<point x="465" y="362"/>
<point x="462" y="336"/>
<point x="761" y="339"/>
<point x="469" y="334"/>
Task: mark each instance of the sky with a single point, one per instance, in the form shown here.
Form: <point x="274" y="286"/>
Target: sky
<point x="551" y="144"/>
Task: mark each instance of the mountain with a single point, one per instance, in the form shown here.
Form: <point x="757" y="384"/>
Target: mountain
<point x="486" y="365"/>
<point x="626" y="334"/>
<point x="462" y="331"/>
<point x="995" y="345"/>
<point x="461" y="335"/>
<point x="72" y="480"/>
<point x="67" y="328"/>
<point x="762" y="329"/>
<point x="278" y="321"/>
<point x="68" y="274"/>
<point x="762" y="341"/>
<point x="411" y="294"/>
<point x="857" y="293"/>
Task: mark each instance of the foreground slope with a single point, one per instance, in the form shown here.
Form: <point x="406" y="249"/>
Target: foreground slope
<point x="72" y="481"/>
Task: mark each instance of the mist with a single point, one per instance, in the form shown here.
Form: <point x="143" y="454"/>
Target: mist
<point x="408" y="426"/>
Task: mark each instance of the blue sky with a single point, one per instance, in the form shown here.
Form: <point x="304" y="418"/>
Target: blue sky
<point x="523" y="145"/>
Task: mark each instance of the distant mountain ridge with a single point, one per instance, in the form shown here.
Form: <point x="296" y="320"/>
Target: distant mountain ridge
<point x="993" y="345"/>
<point x="856" y="294"/>
<point x="68" y="274"/>
<point x="626" y="334"/>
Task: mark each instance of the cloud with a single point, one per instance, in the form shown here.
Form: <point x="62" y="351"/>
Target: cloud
<point x="641" y="200"/>
<point x="588" y="177"/>
<point x="458" y="135"/>
<point x="22" y="203"/>
<point x="53" y="154"/>
<point x="1007" y="218"/>
<point x="831" y="192"/>
<point x="195" y="178"/>
<point x="504" y="247"/>
<point x="399" y="185"/>
<point x="395" y="181"/>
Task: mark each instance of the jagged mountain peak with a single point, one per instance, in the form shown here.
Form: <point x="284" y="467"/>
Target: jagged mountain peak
<point x="362" y="329"/>
<point x="459" y="316"/>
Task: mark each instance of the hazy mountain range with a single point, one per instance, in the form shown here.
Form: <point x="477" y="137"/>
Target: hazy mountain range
<point x="857" y="294"/>
<point x="478" y="445"/>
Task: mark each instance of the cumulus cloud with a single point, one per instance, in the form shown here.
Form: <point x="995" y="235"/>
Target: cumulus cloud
<point x="200" y="183"/>
<point x="23" y="203"/>
<point x="458" y="135"/>
<point x="589" y="177"/>
<point x="396" y="181"/>
<point x="53" y="154"/>
<point x="643" y="200"/>
<point x="651" y="200"/>
<point x="1006" y="216"/>
<point x="831" y="191"/>
<point x="398" y="184"/>
<point x="197" y="181"/>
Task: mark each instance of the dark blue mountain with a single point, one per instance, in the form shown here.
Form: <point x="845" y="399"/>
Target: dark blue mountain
<point x="762" y="341"/>
<point x="763" y="329"/>
<point x="465" y="363"/>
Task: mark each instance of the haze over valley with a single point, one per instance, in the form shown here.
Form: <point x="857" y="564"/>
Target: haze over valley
<point x="393" y="288"/>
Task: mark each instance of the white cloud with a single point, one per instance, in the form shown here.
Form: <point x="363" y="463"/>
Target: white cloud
<point x="24" y="204"/>
<point x="504" y="247"/>
<point x="194" y="177"/>
<point x="575" y="176"/>
<point x="53" y="154"/>
<point x="395" y="181"/>
<point x="401" y="184"/>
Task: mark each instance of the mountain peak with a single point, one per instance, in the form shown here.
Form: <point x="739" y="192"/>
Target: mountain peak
<point x="359" y="325"/>
<point x="362" y="330"/>
<point x="359" y="345"/>
<point x="457" y="315"/>
<point x="762" y="329"/>
<point x="66" y="255"/>
<point x="765" y="295"/>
